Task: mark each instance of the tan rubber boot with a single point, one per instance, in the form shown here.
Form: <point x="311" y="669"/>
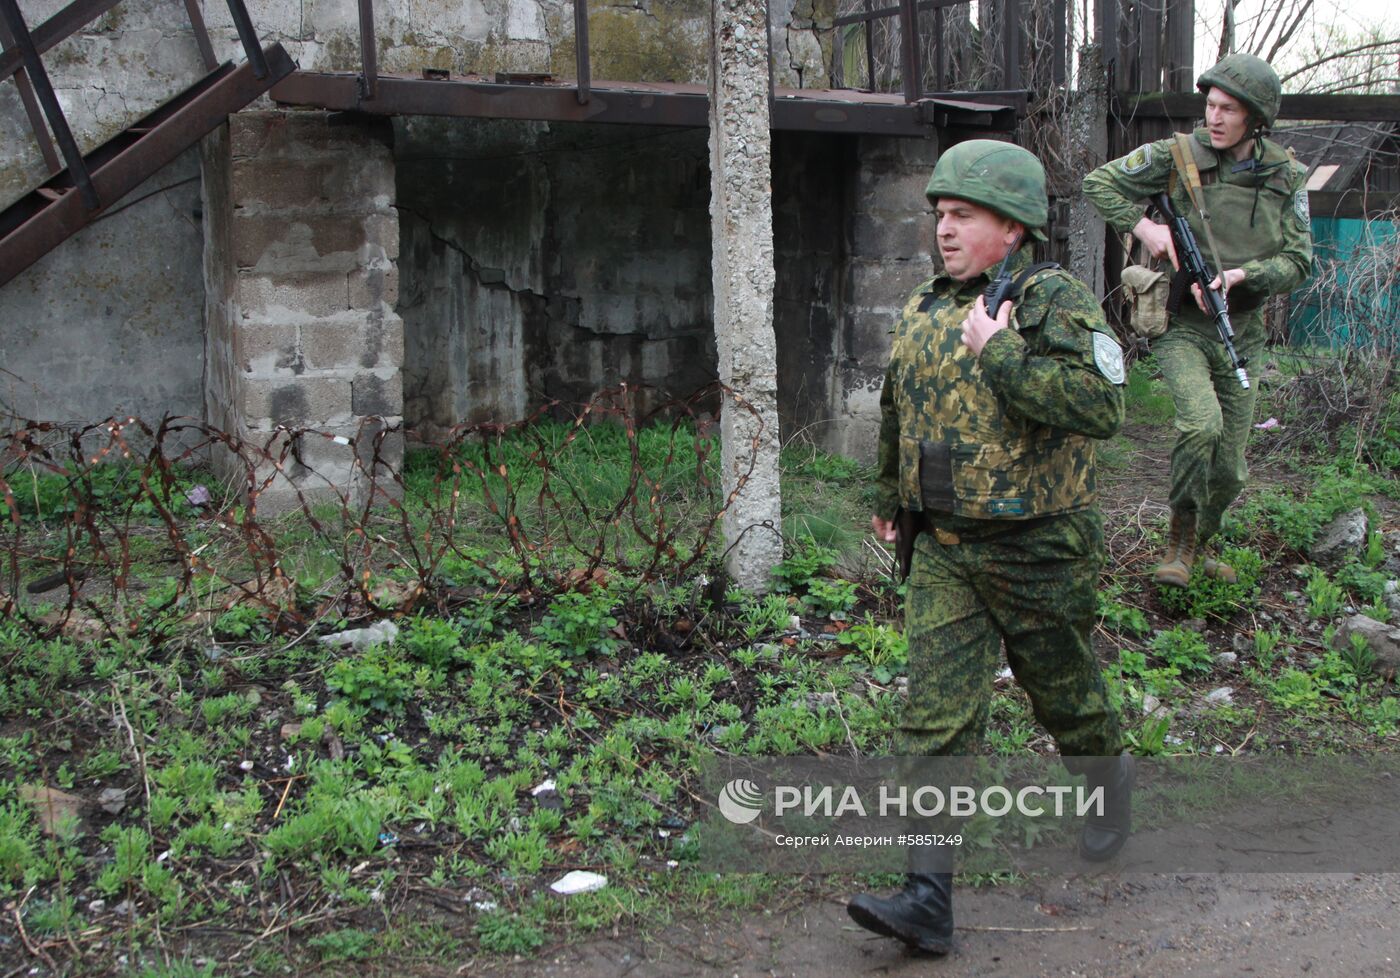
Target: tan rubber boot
<point x="1219" y="570"/>
<point x="1175" y="568"/>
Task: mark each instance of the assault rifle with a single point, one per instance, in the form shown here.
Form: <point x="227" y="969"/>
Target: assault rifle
<point x="1194" y="265"/>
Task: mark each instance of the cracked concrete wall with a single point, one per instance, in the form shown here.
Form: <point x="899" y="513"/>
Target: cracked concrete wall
<point x="109" y="324"/>
<point x="811" y="199"/>
<point x="558" y="273"/>
<point x="546" y="262"/>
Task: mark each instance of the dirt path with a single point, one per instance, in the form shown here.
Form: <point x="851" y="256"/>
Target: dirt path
<point x="1263" y="926"/>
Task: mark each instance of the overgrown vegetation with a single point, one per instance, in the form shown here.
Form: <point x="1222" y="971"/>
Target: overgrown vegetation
<point x="566" y="655"/>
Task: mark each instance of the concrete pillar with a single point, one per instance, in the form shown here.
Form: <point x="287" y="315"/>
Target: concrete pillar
<point x="1086" y="132"/>
<point x="301" y="280"/>
<point x="741" y="221"/>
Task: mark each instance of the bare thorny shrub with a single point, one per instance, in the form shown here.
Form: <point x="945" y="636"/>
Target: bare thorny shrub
<point x="111" y="507"/>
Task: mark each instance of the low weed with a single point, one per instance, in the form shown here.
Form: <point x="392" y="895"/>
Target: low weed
<point x="501" y="932"/>
<point x="882" y="647"/>
<point x="1293" y="690"/>
<point x="830" y="598"/>
<point x="1363" y="582"/>
<point x="1208" y="597"/>
<point x="346" y="944"/>
<point x="1266" y="645"/>
<point x="376" y="678"/>
<point x="1298" y="518"/>
<point x="436" y="642"/>
<point x="1118" y="616"/>
<point x="1325" y="598"/>
<point x="1183" y="650"/>
<point x="242" y="623"/>
<point x="579" y="625"/>
<point x="808" y="561"/>
<point x="20" y="849"/>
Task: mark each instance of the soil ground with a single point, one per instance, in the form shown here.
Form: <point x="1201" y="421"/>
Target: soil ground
<point x="1137" y="926"/>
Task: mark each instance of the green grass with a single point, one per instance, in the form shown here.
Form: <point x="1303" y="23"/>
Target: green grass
<point x="1146" y="399"/>
<point x="267" y="774"/>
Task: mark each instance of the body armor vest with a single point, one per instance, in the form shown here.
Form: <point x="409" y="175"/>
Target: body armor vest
<point x="960" y="450"/>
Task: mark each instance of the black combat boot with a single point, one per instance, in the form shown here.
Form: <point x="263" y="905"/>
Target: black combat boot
<point x="1103" y="835"/>
<point x="920" y="915"/>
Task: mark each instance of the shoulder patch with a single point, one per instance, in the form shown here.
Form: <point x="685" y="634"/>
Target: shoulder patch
<point x="1300" y="207"/>
<point x="1108" y="357"/>
<point x="1138" y="160"/>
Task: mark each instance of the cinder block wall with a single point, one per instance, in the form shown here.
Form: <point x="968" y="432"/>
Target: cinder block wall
<point x="891" y="241"/>
<point x="301" y="283"/>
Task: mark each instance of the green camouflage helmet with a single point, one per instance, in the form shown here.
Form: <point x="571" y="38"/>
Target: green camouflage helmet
<point x="1248" y="79"/>
<point x="1001" y="177"/>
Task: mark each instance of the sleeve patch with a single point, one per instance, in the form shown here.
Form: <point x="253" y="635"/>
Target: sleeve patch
<point x="1300" y="207"/>
<point x="1108" y="357"/>
<point x="1138" y="160"/>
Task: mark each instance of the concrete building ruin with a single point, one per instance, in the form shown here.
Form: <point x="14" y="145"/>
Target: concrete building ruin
<point x="458" y="222"/>
<point x="466" y="240"/>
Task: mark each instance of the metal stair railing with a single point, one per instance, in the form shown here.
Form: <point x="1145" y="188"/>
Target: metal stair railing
<point x="38" y="222"/>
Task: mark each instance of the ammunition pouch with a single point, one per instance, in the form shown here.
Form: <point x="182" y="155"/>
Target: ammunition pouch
<point x="1147" y="291"/>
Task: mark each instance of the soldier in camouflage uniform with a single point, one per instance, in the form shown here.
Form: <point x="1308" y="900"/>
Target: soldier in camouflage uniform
<point x="987" y="447"/>
<point x="1258" y="207"/>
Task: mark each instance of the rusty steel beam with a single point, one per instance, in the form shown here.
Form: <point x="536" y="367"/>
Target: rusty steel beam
<point x="910" y="67"/>
<point x="31" y="108"/>
<point x="1011" y="28"/>
<point x="675" y="107"/>
<point x="883" y="12"/>
<point x="584" y="71"/>
<point x="249" y="36"/>
<point x="466" y="99"/>
<point x="869" y="47"/>
<point x="121" y="165"/>
<point x="1325" y="108"/>
<point x="31" y="204"/>
<point x="201" y="35"/>
<point x="652" y="104"/>
<point x="48" y="101"/>
<point x="369" y="51"/>
<point x="67" y="21"/>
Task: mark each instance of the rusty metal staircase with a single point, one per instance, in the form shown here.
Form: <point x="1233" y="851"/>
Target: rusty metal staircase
<point x="82" y="186"/>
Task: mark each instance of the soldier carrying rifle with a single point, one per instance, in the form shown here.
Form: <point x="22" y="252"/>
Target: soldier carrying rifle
<point x="1243" y="197"/>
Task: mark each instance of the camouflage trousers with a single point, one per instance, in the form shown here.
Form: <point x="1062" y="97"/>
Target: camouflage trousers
<point x="1213" y="417"/>
<point x="1030" y="586"/>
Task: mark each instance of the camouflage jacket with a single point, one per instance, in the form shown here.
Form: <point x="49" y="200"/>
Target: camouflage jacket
<point x="1009" y="434"/>
<point x="1259" y="217"/>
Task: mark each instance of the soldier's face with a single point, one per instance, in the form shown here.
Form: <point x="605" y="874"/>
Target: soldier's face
<point x="971" y="239"/>
<point x="1226" y="118"/>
